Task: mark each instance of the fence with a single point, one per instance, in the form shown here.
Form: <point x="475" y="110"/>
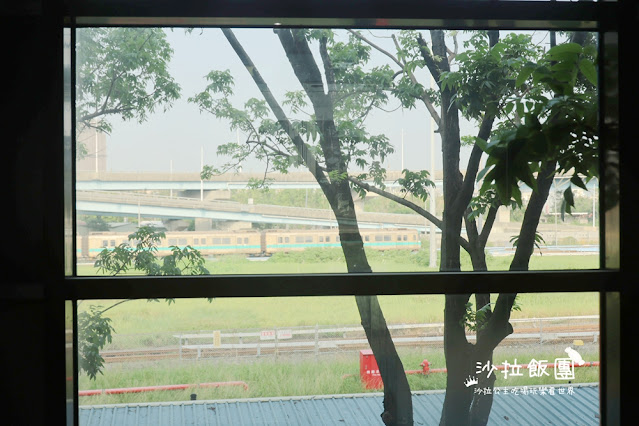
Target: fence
<point x="316" y="340"/>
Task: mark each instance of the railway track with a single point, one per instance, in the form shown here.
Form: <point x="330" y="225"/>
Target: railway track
<point x="551" y="334"/>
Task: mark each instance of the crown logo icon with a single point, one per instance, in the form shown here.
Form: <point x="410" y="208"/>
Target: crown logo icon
<point x="471" y="381"/>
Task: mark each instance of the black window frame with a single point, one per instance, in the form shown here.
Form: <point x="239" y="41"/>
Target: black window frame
<point x="615" y="285"/>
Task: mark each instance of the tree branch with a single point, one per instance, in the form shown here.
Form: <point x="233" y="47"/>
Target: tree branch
<point x="306" y="70"/>
<point x="498" y="326"/>
<point x="528" y="230"/>
<point x="433" y="66"/>
<point x="378" y="48"/>
<point x="471" y="228"/>
<point x="89" y="117"/>
<point x="300" y="146"/>
<point x="485" y="129"/>
<point x="114" y="305"/>
<point x="404" y="202"/>
<point x="303" y="63"/>
<point x="453" y="53"/>
<point x="328" y="68"/>
<point x="468" y="185"/>
<point x="424" y="96"/>
<point x="488" y="224"/>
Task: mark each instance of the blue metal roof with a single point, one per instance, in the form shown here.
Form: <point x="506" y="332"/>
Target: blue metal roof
<point x="579" y="408"/>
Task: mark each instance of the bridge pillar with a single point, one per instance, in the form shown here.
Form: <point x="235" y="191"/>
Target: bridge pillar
<point x="203" y="224"/>
<point x="233" y="225"/>
<point x="359" y="202"/>
<point x="175" y="224"/>
<point x="208" y="194"/>
<point x="503" y="214"/>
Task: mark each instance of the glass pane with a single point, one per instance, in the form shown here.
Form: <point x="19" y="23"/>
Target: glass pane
<point x="338" y="135"/>
<point x="70" y="366"/>
<point x="610" y="128"/>
<point x="221" y="360"/>
<point x="69" y="259"/>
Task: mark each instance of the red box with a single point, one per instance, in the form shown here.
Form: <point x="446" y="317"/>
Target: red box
<point x="369" y="371"/>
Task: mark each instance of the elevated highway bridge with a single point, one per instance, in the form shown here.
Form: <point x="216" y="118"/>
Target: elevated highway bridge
<point x="110" y="193"/>
<point x="140" y="181"/>
<point x="140" y="204"/>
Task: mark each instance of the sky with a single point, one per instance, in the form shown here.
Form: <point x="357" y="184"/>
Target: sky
<point x="181" y="138"/>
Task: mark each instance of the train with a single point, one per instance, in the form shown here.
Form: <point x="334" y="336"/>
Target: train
<point x="253" y="242"/>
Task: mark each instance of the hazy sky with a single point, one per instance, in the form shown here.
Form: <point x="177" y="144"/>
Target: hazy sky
<point x="177" y="137"/>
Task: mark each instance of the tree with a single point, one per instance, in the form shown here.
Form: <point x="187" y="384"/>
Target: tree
<point x="124" y="72"/>
<point x="488" y="85"/>
<point x="139" y="255"/>
<point x="325" y="144"/>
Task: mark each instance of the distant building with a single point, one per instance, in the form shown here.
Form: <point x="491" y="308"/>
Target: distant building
<point x="91" y="153"/>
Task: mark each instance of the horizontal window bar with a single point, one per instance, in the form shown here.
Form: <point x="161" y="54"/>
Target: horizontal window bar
<point x="340" y="284"/>
<point x="447" y="23"/>
<point x="376" y="13"/>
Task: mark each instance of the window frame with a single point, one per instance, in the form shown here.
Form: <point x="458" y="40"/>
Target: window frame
<point x="469" y="14"/>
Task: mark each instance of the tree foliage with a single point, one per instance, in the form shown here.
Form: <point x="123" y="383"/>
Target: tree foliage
<point x="326" y="140"/>
<point x="122" y="71"/>
<point x="137" y="256"/>
<point x="356" y="90"/>
<point x="534" y="113"/>
<point x="559" y="124"/>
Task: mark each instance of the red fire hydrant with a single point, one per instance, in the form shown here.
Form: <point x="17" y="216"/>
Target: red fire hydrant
<point x="369" y="371"/>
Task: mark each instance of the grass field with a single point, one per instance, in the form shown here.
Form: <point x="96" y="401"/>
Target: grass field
<point x="314" y="261"/>
<point x="296" y="376"/>
<point x="304" y="375"/>
<point x="140" y="316"/>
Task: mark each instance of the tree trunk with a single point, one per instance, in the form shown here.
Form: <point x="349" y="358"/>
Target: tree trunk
<point x="459" y="362"/>
<point x="482" y="403"/>
<point x="526" y="242"/>
<point x="398" y="405"/>
<point x="398" y="408"/>
<point x="452" y="177"/>
<point x="457" y="350"/>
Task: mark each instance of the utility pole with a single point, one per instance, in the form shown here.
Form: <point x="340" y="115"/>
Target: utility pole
<point x="96" y="151"/>
<point x="201" y="170"/>
<point x="433" y="191"/>
<point x="594" y="210"/>
<point x="402" y="150"/>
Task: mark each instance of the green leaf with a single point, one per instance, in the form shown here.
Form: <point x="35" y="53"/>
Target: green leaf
<point x="576" y="180"/>
<point x="563" y="51"/>
<point x="481" y="143"/>
<point x="568" y="202"/>
<point x="509" y="108"/>
<point x="588" y="69"/>
<point x="483" y="172"/>
<point x="523" y="75"/>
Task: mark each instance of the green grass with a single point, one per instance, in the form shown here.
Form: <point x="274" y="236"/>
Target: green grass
<point x="226" y="314"/>
<point x="140" y="316"/>
<point x="153" y="322"/>
<point x="314" y="261"/>
<point x="296" y="376"/>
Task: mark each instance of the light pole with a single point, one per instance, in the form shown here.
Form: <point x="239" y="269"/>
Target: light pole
<point x="594" y="210"/>
<point x="201" y="170"/>
<point x="402" y="169"/>
<point x="433" y="192"/>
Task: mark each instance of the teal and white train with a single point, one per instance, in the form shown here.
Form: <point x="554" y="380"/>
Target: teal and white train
<point x="253" y="242"/>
